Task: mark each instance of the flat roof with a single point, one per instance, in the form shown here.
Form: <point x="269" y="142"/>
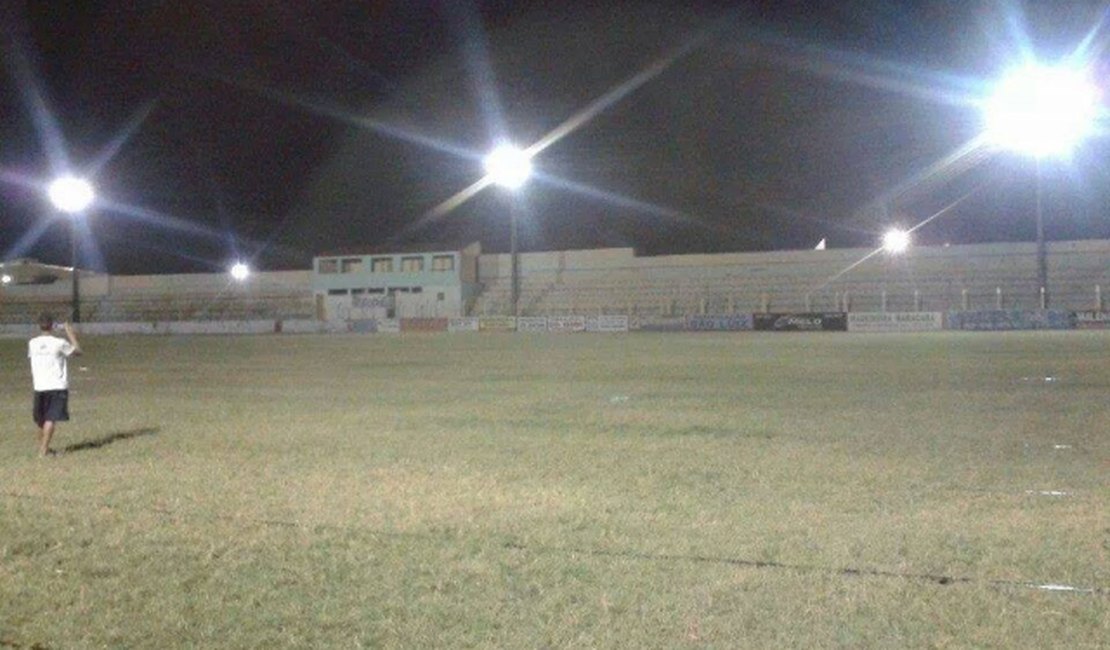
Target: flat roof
<point x="399" y="249"/>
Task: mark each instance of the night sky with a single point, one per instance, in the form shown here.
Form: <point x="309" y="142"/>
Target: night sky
<point x="273" y="131"/>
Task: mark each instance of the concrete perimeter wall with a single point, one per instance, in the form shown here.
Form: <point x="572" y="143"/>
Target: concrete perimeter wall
<point x="617" y="281"/>
<point x="983" y="276"/>
<point x="263" y="283"/>
<point x="163" y="298"/>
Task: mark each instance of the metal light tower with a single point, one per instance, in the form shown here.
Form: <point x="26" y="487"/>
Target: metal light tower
<point x="73" y="196"/>
<point x="1043" y="112"/>
<point x="510" y="167"/>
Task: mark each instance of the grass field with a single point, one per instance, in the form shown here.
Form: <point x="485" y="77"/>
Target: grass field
<point x="641" y="490"/>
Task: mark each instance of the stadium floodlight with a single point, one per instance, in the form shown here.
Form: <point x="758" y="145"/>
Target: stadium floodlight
<point x="73" y="196"/>
<point x="508" y="166"/>
<point x="1041" y="111"/>
<point x="240" y="271"/>
<point x="896" y="241"/>
<point x="70" y="194"/>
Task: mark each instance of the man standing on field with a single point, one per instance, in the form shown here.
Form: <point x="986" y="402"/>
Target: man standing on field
<point x="48" y="356"/>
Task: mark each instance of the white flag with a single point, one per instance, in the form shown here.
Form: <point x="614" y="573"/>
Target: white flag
<point x="820" y="245"/>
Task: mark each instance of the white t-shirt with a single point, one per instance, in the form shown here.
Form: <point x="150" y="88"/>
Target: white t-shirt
<point x="48" y="362"/>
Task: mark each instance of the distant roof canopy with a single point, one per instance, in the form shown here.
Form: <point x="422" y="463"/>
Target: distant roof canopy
<point x="403" y="249"/>
<point x="29" y="271"/>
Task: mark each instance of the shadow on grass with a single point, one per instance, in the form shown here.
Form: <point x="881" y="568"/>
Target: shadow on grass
<point x="4" y="643"/>
<point x="109" y="439"/>
<point x="934" y="578"/>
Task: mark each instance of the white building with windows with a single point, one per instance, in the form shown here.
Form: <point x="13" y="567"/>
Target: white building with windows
<point x="425" y="281"/>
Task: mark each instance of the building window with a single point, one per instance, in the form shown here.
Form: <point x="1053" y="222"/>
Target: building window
<point x="412" y="264"/>
<point x="443" y="263"/>
<point x="382" y="265"/>
<point x="351" y="265"/>
<point x="329" y="266"/>
<point x="337" y="292"/>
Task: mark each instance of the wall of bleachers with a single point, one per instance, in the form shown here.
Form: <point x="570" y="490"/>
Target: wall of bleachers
<point x="166" y="298"/>
<point x="616" y="281"/>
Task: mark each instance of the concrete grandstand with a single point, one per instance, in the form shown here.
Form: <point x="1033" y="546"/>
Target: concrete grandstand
<point x="155" y="298"/>
<point x="986" y="276"/>
<point x="615" y="281"/>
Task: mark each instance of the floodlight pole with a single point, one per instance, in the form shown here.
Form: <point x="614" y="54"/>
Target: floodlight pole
<point x="509" y="167"/>
<point x="72" y="196"/>
<point x="1042" y="253"/>
<point x="75" y="306"/>
<point x="1043" y="112"/>
<point x="515" y="259"/>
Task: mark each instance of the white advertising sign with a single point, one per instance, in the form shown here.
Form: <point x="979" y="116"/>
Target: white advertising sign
<point x="463" y="324"/>
<point x="912" y="321"/>
<point x="607" y="324"/>
<point x="497" y="323"/>
<point x="566" y="323"/>
<point x="302" y="326"/>
<point x="531" y="324"/>
<point x="216" y="327"/>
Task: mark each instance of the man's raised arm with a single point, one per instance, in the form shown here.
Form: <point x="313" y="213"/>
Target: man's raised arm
<point x="72" y="336"/>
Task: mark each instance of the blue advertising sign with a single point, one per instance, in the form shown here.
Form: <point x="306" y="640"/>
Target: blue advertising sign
<point x="1000" y="320"/>
<point x="721" y="323"/>
<point x="657" y="323"/>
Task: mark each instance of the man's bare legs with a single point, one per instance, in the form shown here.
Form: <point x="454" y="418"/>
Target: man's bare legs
<point x="45" y="434"/>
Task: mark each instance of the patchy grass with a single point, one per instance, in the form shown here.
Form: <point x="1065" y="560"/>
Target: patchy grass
<point x="553" y="491"/>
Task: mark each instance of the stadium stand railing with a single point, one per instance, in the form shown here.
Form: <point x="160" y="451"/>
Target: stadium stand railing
<point x="616" y="281"/>
<point x="983" y="277"/>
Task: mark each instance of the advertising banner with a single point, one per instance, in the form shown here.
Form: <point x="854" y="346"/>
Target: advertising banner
<point x="497" y="323"/>
<point x="18" y="330"/>
<point x="998" y="320"/>
<point x="118" y="328"/>
<point x="337" y="326"/>
<point x="1092" y="320"/>
<point x="830" y="321"/>
<point x="216" y="327"/>
<point x="566" y="323"/>
<point x="910" y="321"/>
<point x="423" y="324"/>
<point x="301" y="326"/>
<point x="464" y="324"/>
<point x="367" y="307"/>
<point x="606" y="324"/>
<point x="722" y="323"/>
<point x="657" y="323"/>
<point x="531" y="324"/>
<point x="388" y="326"/>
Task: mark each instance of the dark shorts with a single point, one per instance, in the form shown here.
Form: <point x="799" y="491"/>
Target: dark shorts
<point x="51" y="406"/>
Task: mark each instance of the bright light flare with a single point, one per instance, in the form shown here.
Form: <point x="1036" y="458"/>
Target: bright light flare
<point x="1041" y="111"/>
<point x="508" y="166"/>
<point x="896" y="241"/>
<point x="240" y="271"/>
<point x="5" y="279"/>
<point x="71" y="194"/>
